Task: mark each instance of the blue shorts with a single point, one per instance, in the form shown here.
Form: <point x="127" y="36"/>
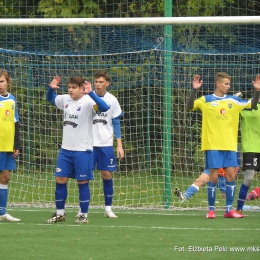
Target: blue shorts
<point x="7" y="162"/>
<point x="221" y="182"/>
<point x="74" y="164"/>
<point x="104" y="158"/>
<point x="220" y="159"/>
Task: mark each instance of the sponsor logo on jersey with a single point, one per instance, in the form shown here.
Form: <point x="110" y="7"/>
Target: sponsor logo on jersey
<point x="74" y="116"/>
<point x="1" y="105"/>
<point x="214" y="104"/>
<point x="104" y="122"/>
<point x="12" y="107"/>
<point x="222" y="111"/>
<point x="70" y="123"/>
<point x="67" y="115"/>
<point x="222" y="115"/>
<point x="102" y="114"/>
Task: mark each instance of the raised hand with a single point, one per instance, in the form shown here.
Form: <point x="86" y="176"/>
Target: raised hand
<point x="55" y="82"/>
<point x="256" y="83"/>
<point x="197" y="82"/>
<point x="87" y="88"/>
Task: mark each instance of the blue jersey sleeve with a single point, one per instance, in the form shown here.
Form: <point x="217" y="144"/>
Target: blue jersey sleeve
<point x="51" y="95"/>
<point x="102" y="105"/>
<point x="116" y="127"/>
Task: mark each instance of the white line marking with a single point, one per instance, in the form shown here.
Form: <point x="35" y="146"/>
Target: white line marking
<point x="62" y="225"/>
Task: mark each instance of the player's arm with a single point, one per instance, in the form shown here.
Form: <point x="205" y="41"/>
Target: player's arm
<point x="17" y="144"/>
<point x="50" y="93"/>
<point x="255" y="98"/>
<point x="117" y="132"/>
<point x="196" y="84"/>
<point x="102" y="105"/>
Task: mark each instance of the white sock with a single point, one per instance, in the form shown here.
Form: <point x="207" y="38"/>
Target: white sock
<point x="60" y="212"/>
<point x="108" y="208"/>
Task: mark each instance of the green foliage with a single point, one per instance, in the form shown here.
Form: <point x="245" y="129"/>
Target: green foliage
<point x="68" y="8"/>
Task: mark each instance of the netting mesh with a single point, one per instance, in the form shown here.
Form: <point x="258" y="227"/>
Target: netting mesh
<point x="135" y="58"/>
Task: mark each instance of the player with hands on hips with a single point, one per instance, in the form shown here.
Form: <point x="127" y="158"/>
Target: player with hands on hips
<point x="75" y="156"/>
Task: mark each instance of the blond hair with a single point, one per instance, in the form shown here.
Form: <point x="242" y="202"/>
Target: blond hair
<point x="220" y="76"/>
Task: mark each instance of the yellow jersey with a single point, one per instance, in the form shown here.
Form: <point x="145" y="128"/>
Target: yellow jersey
<point x="8" y="118"/>
<point x="220" y="119"/>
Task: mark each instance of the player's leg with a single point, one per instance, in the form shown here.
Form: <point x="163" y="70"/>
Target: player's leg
<point x="194" y="188"/>
<point x="106" y="163"/>
<point x="83" y="174"/>
<point x="213" y="162"/>
<point x="64" y="170"/>
<point x="222" y="186"/>
<point x="108" y="189"/>
<point x="211" y="190"/>
<point x="254" y="194"/>
<point x="249" y="165"/>
<point x="6" y="162"/>
<point x="231" y="165"/>
<point x="94" y="160"/>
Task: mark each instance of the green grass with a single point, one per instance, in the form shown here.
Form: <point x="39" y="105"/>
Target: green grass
<point x="136" y="234"/>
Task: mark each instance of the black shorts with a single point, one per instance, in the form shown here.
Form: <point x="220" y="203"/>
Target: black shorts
<point x="251" y="161"/>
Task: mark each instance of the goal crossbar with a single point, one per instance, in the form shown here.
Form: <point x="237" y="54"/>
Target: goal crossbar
<point x="130" y="21"/>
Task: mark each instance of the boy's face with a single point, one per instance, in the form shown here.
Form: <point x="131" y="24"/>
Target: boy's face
<point x="223" y="85"/>
<point x="75" y="91"/>
<point x="3" y="85"/>
<point x="101" y="85"/>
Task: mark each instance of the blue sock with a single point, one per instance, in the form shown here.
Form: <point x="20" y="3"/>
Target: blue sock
<point x="230" y="194"/>
<point x="211" y="195"/>
<point x="3" y="198"/>
<point x="242" y="196"/>
<point x="84" y="197"/>
<point x="193" y="189"/>
<point x="108" y="191"/>
<point x="61" y="194"/>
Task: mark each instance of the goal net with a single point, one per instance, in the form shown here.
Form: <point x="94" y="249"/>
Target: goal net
<point x="161" y="138"/>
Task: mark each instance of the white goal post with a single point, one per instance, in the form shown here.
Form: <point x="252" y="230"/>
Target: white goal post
<point x="207" y="20"/>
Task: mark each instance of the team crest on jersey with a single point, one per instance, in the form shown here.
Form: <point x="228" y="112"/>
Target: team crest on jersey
<point x="229" y="105"/>
<point x="78" y="108"/>
<point x="95" y="107"/>
<point x="7" y="113"/>
<point x="214" y="104"/>
<point x="66" y="106"/>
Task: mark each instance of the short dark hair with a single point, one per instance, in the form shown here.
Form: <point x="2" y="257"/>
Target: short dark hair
<point x="76" y="80"/>
<point x="102" y="73"/>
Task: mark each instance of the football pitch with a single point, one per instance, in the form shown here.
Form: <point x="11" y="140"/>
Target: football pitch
<point x="135" y="234"/>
